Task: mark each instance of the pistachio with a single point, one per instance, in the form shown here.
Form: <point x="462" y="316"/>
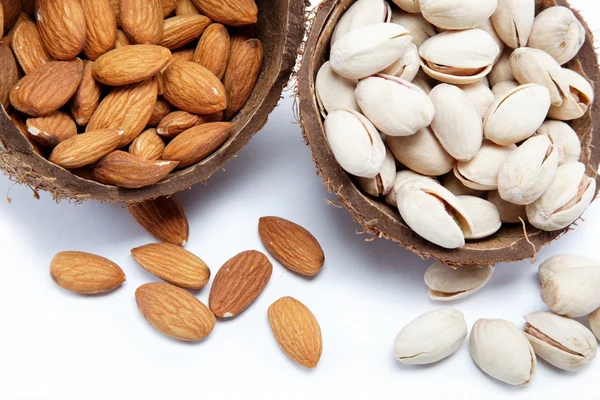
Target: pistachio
<point x="563" y="262"/>
<point x="513" y="21"/>
<point x="561" y="341"/>
<point x="509" y="213"/>
<point x="457" y="188"/>
<point x="558" y="32"/>
<point x="484" y="216"/>
<point x="457" y="14"/>
<point x="420" y="29"/>
<point x="502" y="70"/>
<point x="502" y="351"/>
<point x="528" y="171"/>
<point x="362" y="13"/>
<point x="421" y="81"/>
<point x="383" y="182"/>
<point x="565" y="138"/>
<point x="410" y="6"/>
<point x="488" y="26"/>
<point x="578" y="100"/>
<point x="431" y="337"/>
<point x="355" y="143"/>
<point x="500" y="89"/>
<point x="407" y="66"/>
<point x="594" y="320"/>
<point x="448" y="284"/>
<point x="401" y="178"/>
<point x="481" y="173"/>
<point x="368" y="50"/>
<point x="569" y="195"/>
<point x="481" y="95"/>
<point x="333" y="91"/>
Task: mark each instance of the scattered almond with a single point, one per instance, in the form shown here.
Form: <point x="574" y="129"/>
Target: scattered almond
<point x="85" y="149"/>
<point x="148" y="146"/>
<point x="62" y="26"/>
<point x="86" y="99"/>
<point x="101" y="27"/>
<point x="186" y="7"/>
<point x="131" y="64"/>
<point x="163" y="218"/>
<point x="179" y="31"/>
<point x="241" y="75"/>
<point x="125" y="170"/>
<point x="9" y="76"/>
<point x="229" y="12"/>
<point x="176" y="122"/>
<point x="85" y="273"/>
<point x="212" y="51"/>
<point x="28" y="47"/>
<point x="52" y="129"/>
<point x="142" y="20"/>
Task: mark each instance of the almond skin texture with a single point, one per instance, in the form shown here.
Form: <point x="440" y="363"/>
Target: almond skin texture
<point x="161" y="110"/>
<point x="125" y="170"/>
<point x="174" y="311"/>
<point x="229" y="12"/>
<point x="52" y="129"/>
<point x="7" y="39"/>
<point x="176" y="122"/>
<point x="122" y="40"/>
<point x="9" y="76"/>
<point x="10" y="11"/>
<point x="142" y="20"/>
<point x="101" y="27"/>
<point x="47" y="88"/>
<point x="238" y="283"/>
<point x="193" y="88"/>
<point x="212" y="51"/>
<point x="292" y="245"/>
<point x="20" y="125"/>
<point x="85" y="273"/>
<point x="1" y="19"/>
<point x="29" y="6"/>
<point x="168" y="6"/>
<point x="186" y="7"/>
<point x="179" y="31"/>
<point x="28" y="47"/>
<point x="183" y="55"/>
<point x="297" y="331"/>
<point x="241" y="75"/>
<point x="85" y="149"/>
<point x="130" y="64"/>
<point x="116" y="7"/>
<point x="148" y="146"/>
<point x="86" y="99"/>
<point x="163" y="218"/>
<point x="197" y="143"/>
<point x="61" y="24"/>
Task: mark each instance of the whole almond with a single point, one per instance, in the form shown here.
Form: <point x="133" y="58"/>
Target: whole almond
<point x="28" y="47"/>
<point x="240" y="35"/>
<point x="148" y="146"/>
<point x="292" y="245"/>
<point x="242" y="72"/>
<point x="47" y="88"/>
<point x="52" y="129"/>
<point x="176" y="122"/>
<point x="61" y="24"/>
<point x="122" y="40"/>
<point x="229" y="12"/>
<point x="142" y="20"/>
<point x="86" y="148"/>
<point x="163" y="218"/>
<point x="20" y="125"/>
<point x="174" y="311"/>
<point x="168" y="6"/>
<point x="297" y="331"/>
<point x="86" y="99"/>
<point x="9" y="76"/>
<point x="131" y="64"/>
<point x="125" y="170"/>
<point x="212" y="51"/>
<point x="161" y="109"/>
<point x="85" y="273"/>
<point x="8" y="37"/>
<point x="238" y="283"/>
<point x="193" y="88"/>
<point x="10" y="11"/>
<point x="197" y="143"/>
<point x="183" y="55"/>
<point x="179" y="31"/>
<point x="101" y="27"/>
<point x="186" y="7"/>
<point x="116" y="7"/>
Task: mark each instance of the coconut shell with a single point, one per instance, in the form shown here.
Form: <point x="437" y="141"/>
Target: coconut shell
<point x="286" y="17"/>
<point x="511" y="243"/>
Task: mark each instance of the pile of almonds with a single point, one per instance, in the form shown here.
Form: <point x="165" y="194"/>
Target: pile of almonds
<point x="457" y="112"/>
<point x="125" y="91"/>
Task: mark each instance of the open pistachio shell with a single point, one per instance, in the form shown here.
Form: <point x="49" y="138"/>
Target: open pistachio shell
<point x="509" y="213"/>
<point x="565" y="138"/>
<point x="481" y="173"/>
<point x="502" y="70"/>
<point x="401" y="178"/>
<point x="513" y="21"/>
<point x="558" y="32"/>
<point x="448" y="284"/>
<point x="454" y="185"/>
<point x="484" y="217"/>
<point x="481" y="95"/>
<point x="407" y="66"/>
<point x="362" y="13"/>
<point x="579" y="97"/>
<point x="419" y="28"/>
<point x="334" y="92"/>
<point x="452" y="14"/>
<point x="383" y="182"/>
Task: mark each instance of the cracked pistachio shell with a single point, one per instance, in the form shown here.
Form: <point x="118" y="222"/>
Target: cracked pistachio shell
<point x="457" y="122"/>
<point x="513" y="21"/>
<point x="502" y="70"/>
<point x="502" y="351"/>
<point x="401" y="178"/>
<point x="434" y="213"/>
<point x="368" y="50"/>
<point x="383" y="183"/>
<point x="565" y="138"/>
<point x="362" y="13"/>
<point x="558" y="32"/>
<point x="409" y="151"/>
<point x="594" y="320"/>
<point x="355" y="143"/>
<point x="509" y="213"/>
<point x="535" y="66"/>
<point x="407" y="66"/>
<point x="419" y="28"/>
<point x="454" y="185"/>
<point x="333" y="91"/>
<point x="563" y="342"/>
<point x="579" y="97"/>
<point x="431" y="337"/>
<point x="448" y="284"/>
<point x="569" y="195"/>
<point x="457" y="14"/>
<point x="410" y="6"/>
<point x="481" y="173"/>
<point x="528" y="171"/>
<point x="516" y="116"/>
<point x="502" y="88"/>
<point x="484" y="216"/>
<point x="481" y="95"/>
<point x="459" y="57"/>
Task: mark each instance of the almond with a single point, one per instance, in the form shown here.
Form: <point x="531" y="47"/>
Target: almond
<point x="197" y="143"/>
<point x="183" y="55"/>
<point x="193" y="88"/>
<point x="168" y="6"/>
<point x="297" y="331"/>
<point x="179" y="31"/>
<point x="85" y="149"/>
<point x="47" y="88"/>
<point x="10" y="10"/>
<point x="292" y="245"/>
<point x="240" y="35"/>
<point x="1" y="19"/>
<point x="131" y="64"/>
<point x="52" y="129"/>
<point x="229" y="12"/>
<point x="163" y="218"/>
<point x="212" y="51"/>
<point x="116" y="7"/>
<point x="85" y="273"/>
<point x="176" y="122"/>
<point x="238" y="283"/>
<point x="126" y="108"/>
<point x="122" y="40"/>
<point x="161" y="109"/>
<point x="20" y="125"/>
<point x="174" y="311"/>
<point x="7" y="39"/>
<point x="241" y="75"/>
<point x="148" y="146"/>
<point x="86" y="99"/>
<point x="28" y="6"/>
<point x="61" y="24"/>
<point x="9" y="76"/>
<point x="125" y="170"/>
<point x="28" y="47"/>
<point x="101" y="27"/>
<point x="142" y="20"/>
<point x="186" y="7"/>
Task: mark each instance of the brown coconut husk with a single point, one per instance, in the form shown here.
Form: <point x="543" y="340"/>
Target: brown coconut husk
<point x="280" y="28"/>
<point x="512" y="243"/>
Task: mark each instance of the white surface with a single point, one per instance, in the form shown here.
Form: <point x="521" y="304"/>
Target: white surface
<point x="56" y="345"/>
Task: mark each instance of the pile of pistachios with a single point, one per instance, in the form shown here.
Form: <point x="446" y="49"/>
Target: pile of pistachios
<point x="457" y="112"/>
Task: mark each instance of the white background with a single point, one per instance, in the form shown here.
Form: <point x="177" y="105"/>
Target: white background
<point x="57" y="345"/>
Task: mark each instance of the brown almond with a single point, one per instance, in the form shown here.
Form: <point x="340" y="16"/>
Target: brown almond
<point x="52" y="129"/>
<point x="1" y="19"/>
<point x="28" y="6"/>
<point x="292" y="245"/>
<point x="238" y="283"/>
<point x="125" y="170"/>
<point x="242" y="72"/>
<point x="61" y="24"/>
<point x="229" y="12"/>
<point x="148" y="146"/>
<point x="142" y="20"/>
<point x="174" y="311"/>
<point x="86" y="99"/>
<point x="101" y="27"/>
<point x="186" y="7"/>
<point x="7" y="39"/>
<point x="28" y="47"/>
<point x="47" y="88"/>
<point x="168" y="6"/>
<point x="9" y="76"/>
<point x="131" y="64"/>
<point x="10" y="12"/>
<point x="20" y="125"/>
<point x="179" y="31"/>
<point x="197" y="143"/>
<point x="122" y="40"/>
<point x="161" y="110"/>
<point x="297" y="331"/>
<point x="176" y="122"/>
<point x="163" y="218"/>
<point x="86" y="148"/>
<point x="85" y="273"/>
<point x="115" y="5"/>
<point x="183" y="55"/>
<point x="212" y="51"/>
<point x="240" y="35"/>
